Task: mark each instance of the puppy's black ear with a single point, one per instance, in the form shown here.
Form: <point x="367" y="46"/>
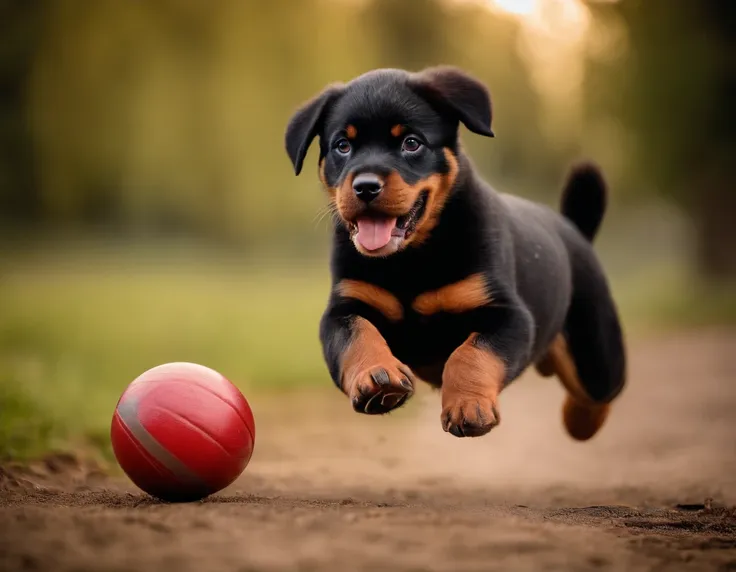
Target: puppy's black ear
<point x="306" y="124"/>
<point x="455" y="92"/>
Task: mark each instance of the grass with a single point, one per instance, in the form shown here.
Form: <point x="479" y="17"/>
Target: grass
<point x="77" y="326"/>
<point x="663" y="297"/>
<point x="76" y="330"/>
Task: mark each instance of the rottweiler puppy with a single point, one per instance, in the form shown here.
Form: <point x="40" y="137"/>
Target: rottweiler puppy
<point x="437" y="276"/>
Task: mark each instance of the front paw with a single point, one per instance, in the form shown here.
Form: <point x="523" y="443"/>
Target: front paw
<point x="469" y="416"/>
<point x="381" y="388"/>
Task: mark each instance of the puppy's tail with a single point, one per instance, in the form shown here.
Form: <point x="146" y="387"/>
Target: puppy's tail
<point x="584" y="198"/>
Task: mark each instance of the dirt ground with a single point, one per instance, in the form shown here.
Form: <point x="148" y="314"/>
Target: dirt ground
<point x="328" y="489"/>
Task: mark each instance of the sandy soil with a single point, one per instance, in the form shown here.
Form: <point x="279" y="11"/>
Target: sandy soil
<point x="331" y="490"/>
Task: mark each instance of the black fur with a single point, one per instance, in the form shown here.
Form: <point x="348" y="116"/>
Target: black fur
<point x="539" y="266"/>
<point x="584" y="199"/>
<point x="306" y="124"/>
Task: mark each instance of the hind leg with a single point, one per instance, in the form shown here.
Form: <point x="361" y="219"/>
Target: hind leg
<point x="582" y="415"/>
<point x="588" y="356"/>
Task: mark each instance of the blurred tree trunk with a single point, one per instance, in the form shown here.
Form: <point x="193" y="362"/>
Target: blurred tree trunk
<point x="715" y="197"/>
<point x="20" y="200"/>
<point x="676" y="89"/>
<point x="713" y="206"/>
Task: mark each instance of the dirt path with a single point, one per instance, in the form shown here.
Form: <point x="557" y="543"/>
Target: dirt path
<point x="331" y="490"/>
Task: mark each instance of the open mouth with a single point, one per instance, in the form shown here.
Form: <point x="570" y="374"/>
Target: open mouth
<point x="408" y="222"/>
<point x="374" y="231"/>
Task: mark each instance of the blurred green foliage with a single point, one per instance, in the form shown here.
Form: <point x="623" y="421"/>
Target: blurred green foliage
<point x="167" y="116"/>
<point x="674" y="91"/>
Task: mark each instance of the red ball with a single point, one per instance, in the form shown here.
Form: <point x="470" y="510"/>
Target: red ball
<point x="182" y="431"/>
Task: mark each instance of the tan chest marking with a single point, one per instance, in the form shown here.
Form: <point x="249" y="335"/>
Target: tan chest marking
<point x="463" y="296"/>
<point x="376" y="297"/>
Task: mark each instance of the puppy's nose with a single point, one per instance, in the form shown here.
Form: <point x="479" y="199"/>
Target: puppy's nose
<point x="367" y="186"/>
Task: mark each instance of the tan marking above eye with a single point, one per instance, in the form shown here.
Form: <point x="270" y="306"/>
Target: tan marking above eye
<point x="351" y="132"/>
<point x="456" y="298"/>
<point x="376" y="297"/>
<point x="397" y="130"/>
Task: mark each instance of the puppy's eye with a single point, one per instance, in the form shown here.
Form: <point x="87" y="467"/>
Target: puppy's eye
<point x="343" y="146"/>
<point x="411" y="145"/>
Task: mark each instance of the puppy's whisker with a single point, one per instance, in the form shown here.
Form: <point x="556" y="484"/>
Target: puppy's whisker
<point x="321" y="212"/>
<point x="329" y="209"/>
<point x="318" y="220"/>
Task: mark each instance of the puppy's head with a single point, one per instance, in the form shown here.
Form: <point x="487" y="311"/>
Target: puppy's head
<point x="388" y="146"/>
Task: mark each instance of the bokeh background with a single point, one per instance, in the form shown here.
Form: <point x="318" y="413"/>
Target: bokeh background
<point x="149" y="213"/>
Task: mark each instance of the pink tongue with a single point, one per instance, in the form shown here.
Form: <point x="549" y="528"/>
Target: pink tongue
<point x="375" y="233"/>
